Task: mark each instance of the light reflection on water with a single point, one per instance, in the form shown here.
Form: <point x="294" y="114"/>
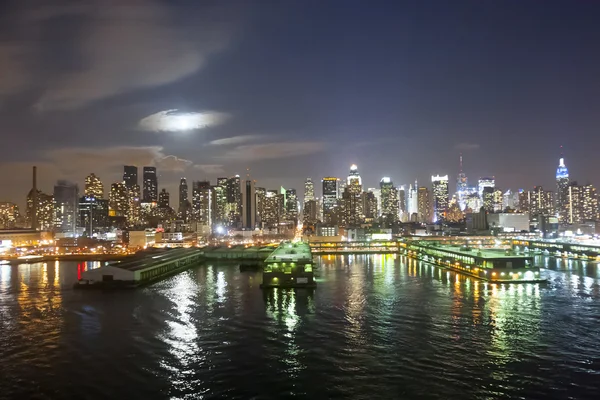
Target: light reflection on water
<point x="375" y="325"/>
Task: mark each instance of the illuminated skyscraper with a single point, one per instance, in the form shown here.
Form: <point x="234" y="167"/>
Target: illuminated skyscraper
<point x="575" y="204"/>
<point x="462" y="186"/>
<point x="389" y="200"/>
<point x="183" y="195"/>
<point x="354" y="177"/>
<point x="424" y="205"/>
<point x="309" y="190"/>
<point x="164" y="199"/>
<point x="412" y="202"/>
<point x="540" y="201"/>
<point x="219" y="202"/>
<point x="441" y="197"/>
<point x="589" y="203"/>
<point x="93" y="215"/>
<point x="486" y="183"/>
<point x="261" y="193"/>
<point x="330" y="195"/>
<point x="150" y="194"/>
<point x="94" y="187"/>
<point x="402" y="214"/>
<point x="487" y="196"/>
<point x="45" y="210"/>
<point x="66" y="204"/>
<point x="234" y="200"/>
<point x="369" y="206"/>
<point x="9" y="213"/>
<point x="130" y="176"/>
<point x="118" y="203"/>
<point x="562" y="192"/>
<point x="352" y="196"/>
<point x="291" y="205"/>
<point x="248" y="205"/>
<point x="201" y="202"/>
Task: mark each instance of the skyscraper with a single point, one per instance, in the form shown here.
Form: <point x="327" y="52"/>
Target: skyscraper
<point x="589" y="203"/>
<point x="201" y="202"/>
<point x="574" y="204"/>
<point x="164" y="199"/>
<point x="66" y="202"/>
<point x="219" y="202"/>
<point x="234" y="200"/>
<point x="291" y="205"/>
<point x="413" y="202"/>
<point x="441" y="197"/>
<point x="309" y="190"/>
<point x="402" y="214"/>
<point x="389" y="200"/>
<point x="183" y="195"/>
<point x="150" y="185"/>
<point x="352" y="196"/>
<point x="424" y="205"/>
<point x="130" y="176"/>
<point x="248" y="205"/>
<point x="487" y="196"/>
<point x="462" y="186"/>
<point x="261" y="193"/>
<point x="45" y="210"/>
<point x="330" y="195"/>
<point x="369" y="206"/>
<point x="93" y="187"/>
<point x="93" y="215"/>
<point x="118" y="204"/>
<point x="486" y="183"/>
<point x="562" y="192"/>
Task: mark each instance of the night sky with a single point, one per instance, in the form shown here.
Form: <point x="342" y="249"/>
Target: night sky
<point x="292" y="89"/>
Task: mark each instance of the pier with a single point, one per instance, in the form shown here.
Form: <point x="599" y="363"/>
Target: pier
<point x="289" y="266"/>
<point x="151" y="267"/>
<point x="488" y="264"/>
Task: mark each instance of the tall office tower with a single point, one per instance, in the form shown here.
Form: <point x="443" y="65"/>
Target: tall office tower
<point x="248" y="205"/>
<point x="487" y="196"/>
<point x="183" y="195"/>
<point x="94" y="187"/>
<point x="486" y="183"/>
<point x="291" y="205"/>
<point x="134" y="211"/>
<point x="164" y="199"/>
<point x="412" y="203"/>
<point x="219" y="203"/>
<point x="234" y="201"/>
<point x="424" y="205"/>
<point x="402" y="214"/>
<point x="130" y="175"/>
<point x="150" y="185"/>
<point x="462" y="186"/>
<point x="589" y="203"/>
<point x="441" y="197"/>
<point x="271" y="209"/>
<point x="389" y="200"/>
<point x="575" y="203"/>
<point x="354" y="208"/>
<point x="523" y="203"/>
<point x="370" y="206"/>
<point x="66" y="202"/>
<point x="498" y="200"/>
<point x="45" y="210"/>
<point x="309" y="212"/>
<point x="377" y="193"/>
<point x="562" y="192"/>
<point x="261" y="193"/>
<point x="309" y="190"/>
<point x="330" y="195"/>
<point x="93" y="215"/>
<point x="201" y="202"/>
<point x="508" y="200"/>
<point x="118" y="203"/>
<point x="540" y="201"/>
<point x="9" y="213"/>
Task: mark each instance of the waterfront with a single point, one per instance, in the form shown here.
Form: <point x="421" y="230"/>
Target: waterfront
<point x="377" y="326"/>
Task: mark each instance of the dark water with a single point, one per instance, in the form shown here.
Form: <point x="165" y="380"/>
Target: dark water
<point x="376" y="327"/>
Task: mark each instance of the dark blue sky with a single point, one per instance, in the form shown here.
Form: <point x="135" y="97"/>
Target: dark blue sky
<point x="304" y="88"/>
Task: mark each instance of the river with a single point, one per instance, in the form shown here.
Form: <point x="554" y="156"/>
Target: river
<point x="377" y="326"/>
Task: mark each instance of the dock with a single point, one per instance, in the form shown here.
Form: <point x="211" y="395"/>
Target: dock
<point x="289" y="266"/>
<point x="487" y="264"/>
<point x="144" y="270"/>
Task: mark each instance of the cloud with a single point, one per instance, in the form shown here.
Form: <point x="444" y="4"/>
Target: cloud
<point x="210" y="169"/>
<point x="264" y="151"/>
<point x="234" y="140"/>
<point x="467" y="146"/>
<point x="176" y="121"/>
<point x="111" y="50"/>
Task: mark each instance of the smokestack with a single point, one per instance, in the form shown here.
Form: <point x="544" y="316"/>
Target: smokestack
<point x="34" y="200"/>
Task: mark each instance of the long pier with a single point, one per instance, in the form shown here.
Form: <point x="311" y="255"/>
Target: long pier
<point x="150" y="268"/>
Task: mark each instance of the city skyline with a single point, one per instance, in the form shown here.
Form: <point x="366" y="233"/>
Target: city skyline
<point x="225" y="102"/>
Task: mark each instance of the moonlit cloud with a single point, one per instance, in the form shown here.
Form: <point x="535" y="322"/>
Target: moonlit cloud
<point x="234" y="140"/>
<point x="179" y="121"/>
